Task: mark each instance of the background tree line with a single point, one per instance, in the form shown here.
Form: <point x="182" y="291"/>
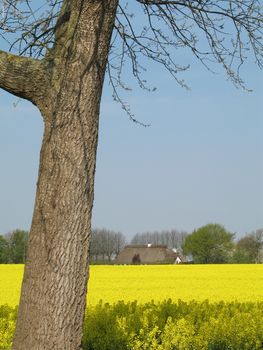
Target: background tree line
<point x="210" y="244"/>
<point x="105" y="246"/>
<point x="172" y="238"/>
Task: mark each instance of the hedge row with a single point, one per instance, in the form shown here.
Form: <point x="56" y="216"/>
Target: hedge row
<point x="163" y="326"/>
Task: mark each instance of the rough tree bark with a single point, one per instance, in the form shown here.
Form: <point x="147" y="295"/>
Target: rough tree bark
<point x="66" y="86"/>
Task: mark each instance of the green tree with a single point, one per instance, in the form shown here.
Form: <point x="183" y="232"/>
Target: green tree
<point x="3" y="250"/>
<point x="69" y="42"/>
<point x="17" y="246"/>
<point x="210" y="244"/>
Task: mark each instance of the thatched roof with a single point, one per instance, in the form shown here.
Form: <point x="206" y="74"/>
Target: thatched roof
<point x="146" y="254"/>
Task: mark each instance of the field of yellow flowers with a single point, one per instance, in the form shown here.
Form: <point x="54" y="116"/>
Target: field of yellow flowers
<point x="144" y="283"/>
<point x="200" y="307"/>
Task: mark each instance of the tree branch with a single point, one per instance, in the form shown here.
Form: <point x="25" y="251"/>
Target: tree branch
<point x="23" y="76"/>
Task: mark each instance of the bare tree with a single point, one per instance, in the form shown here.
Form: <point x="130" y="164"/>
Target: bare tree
<point x="172" y="239"/>
<point x="105" y="243"/>
<point x="95" y="248"/>
<point x="119" y="242"/>
<point x="64" y="48"/>
<point x="250" y="247"/>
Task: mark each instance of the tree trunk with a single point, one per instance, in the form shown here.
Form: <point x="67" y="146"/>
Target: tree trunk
<point x="53" y="297"/>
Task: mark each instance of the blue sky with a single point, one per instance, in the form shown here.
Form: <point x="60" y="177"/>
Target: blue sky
<point x="200" y="161"/>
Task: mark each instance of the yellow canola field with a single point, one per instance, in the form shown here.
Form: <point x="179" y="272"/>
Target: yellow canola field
<point x="156" y="282"/>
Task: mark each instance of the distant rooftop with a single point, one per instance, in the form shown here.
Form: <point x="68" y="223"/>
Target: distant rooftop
<point x="149" y="245"/>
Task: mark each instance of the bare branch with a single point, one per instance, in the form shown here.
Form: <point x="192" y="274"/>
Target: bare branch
<point x="28" y="27"/>
<point x="231" y="29"/>
<point x="221" y="32"/>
